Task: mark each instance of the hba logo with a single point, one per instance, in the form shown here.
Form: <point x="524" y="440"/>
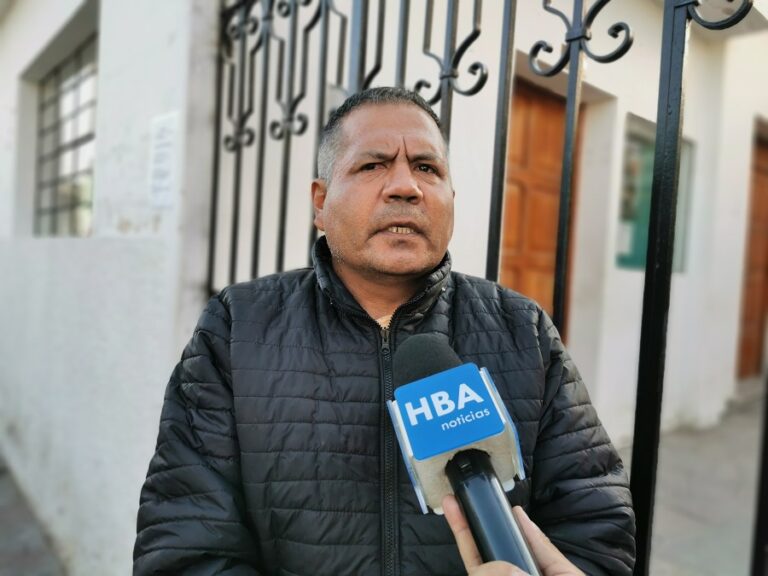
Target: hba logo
<point x="442" y="404"/>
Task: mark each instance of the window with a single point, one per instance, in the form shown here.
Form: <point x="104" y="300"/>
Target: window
<point x="65" y="149"/>
<point x="635" y="209"/>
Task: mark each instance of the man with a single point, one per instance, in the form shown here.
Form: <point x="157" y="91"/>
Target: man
<point x="276" y="454"/>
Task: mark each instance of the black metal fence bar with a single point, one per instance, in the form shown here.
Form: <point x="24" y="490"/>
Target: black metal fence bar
<point x="370" y="76"/>
<point x="402" y="42"/>
<point x="322" y="71"/>
<point x="342" y="51"/>
<point x="447" y="74"/>
<point x="284" y="132"/>
<point x="577" y="38"/>
<point x="240" y="35"/>
<point x="358" y="46"/>
<point x="498" y="177"/>
<point x="264" y="45"/>
<point x="292" y="123"/>
<point x="658" y="276"/>
<point x="214" y="210"/>
<point x="658" y="272"/>
<point x="575" y="57"/>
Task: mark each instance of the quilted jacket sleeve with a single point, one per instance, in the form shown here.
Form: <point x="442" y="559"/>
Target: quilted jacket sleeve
<point x="191" y="516"/>
<point x="581" y="496"/>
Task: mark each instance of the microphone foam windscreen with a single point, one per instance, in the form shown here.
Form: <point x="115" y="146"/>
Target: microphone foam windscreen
<point x="420" y="356"/>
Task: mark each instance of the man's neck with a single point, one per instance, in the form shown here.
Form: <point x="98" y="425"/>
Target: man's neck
<point x="379" y="296"/>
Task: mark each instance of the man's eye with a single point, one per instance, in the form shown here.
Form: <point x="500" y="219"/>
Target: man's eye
<point x="427" y="168"/>
<point x="370" y="166"/>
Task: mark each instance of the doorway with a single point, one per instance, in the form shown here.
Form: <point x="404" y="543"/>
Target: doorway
<point x="754" y="307"/>
<point x="532" y="193"/>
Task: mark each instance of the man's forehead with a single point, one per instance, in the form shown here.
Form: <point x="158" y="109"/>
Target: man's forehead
<point x="387" y="126"/>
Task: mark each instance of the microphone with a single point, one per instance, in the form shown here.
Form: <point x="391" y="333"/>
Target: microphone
<point x="456" y="436"/>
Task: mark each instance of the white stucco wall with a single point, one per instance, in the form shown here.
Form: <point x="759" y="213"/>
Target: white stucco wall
<point x="94" y="325"/>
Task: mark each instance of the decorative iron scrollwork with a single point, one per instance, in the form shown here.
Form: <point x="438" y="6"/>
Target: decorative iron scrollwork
<point x="577" y="38"/>
<point x="477" y="69"/>
<point x="738" y="15"/>
<point x="236" y="30"/>
<point x="576" y="31"/>
<point x="239" y="26"/>
<point x="376" y="68"/>
<point x="289" y="102"/>
<point x="267" y="103"/>
<point x="240" y="139"/>
<point x="342" y="42"/>
<point x="450" y="63"/>
<point x="284" y="8"/>
<point x="295" y="125"/>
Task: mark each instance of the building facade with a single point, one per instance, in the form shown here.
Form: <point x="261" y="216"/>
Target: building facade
<point x="107" y="127"/>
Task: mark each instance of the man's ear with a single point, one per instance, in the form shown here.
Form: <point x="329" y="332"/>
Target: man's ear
<point x="319" y="192"/>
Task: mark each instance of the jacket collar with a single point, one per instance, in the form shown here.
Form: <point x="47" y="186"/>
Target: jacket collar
<point x="332" y="286"/>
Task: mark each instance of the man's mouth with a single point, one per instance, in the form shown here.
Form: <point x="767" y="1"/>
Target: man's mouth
<point x="401" y="230"/>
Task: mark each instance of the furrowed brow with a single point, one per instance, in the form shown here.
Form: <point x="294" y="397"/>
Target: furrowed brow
<point x="427" y="157"/>
<point x="375" y="155"/>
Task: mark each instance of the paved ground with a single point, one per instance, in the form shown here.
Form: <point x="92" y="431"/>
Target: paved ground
<point x="24" y="551"/>
<point x="706" y="496"/>
<point x="704" y="515"/>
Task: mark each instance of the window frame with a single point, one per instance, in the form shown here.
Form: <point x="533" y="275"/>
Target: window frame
<point x="50" y="179"/>
<point x="641" y="130"/>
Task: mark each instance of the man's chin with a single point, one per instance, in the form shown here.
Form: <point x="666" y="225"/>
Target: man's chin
<point x="405" y="269"/>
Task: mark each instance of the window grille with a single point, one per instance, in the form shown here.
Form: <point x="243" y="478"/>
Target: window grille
<point x="65" y="145"/>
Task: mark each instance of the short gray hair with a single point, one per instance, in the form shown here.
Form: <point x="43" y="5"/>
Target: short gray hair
<point x="330" y="138"/>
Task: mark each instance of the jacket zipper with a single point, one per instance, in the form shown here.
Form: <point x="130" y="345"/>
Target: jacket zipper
<point x="389" y="527"/>
<point x="390" y="560"/>
<point x="390" y="554"/>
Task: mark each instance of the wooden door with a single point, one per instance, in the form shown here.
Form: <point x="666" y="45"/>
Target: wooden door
<point x="532" y="195"/>
<point x="754" y="306"/>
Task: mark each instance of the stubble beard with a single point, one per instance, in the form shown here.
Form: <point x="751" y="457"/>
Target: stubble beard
<point x="373" y="271"/>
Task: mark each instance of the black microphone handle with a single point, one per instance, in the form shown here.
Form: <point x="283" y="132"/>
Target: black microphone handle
<point x="488" y="513"/>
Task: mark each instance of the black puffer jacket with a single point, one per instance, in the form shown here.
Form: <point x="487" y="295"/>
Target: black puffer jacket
<point x="275" y="455"/>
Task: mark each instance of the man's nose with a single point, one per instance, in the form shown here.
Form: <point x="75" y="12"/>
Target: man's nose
<point x="402" y="185"/>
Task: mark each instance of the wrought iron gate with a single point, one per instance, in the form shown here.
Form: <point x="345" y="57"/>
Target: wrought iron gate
<point x="286" y="63"/>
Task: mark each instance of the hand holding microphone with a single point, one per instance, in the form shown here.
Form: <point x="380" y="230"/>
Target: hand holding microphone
<point x="550" y="559"/>
<point x="457" y="437"/>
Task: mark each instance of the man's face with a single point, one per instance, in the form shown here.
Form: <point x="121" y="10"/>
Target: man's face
<point x="388" y="210"/>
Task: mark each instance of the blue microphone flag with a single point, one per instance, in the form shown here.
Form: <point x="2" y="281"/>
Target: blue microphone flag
<point x="447" y="411"/>
<point x="453" y="410"/>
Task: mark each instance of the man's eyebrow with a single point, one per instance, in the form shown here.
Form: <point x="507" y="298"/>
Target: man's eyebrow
<point x="376" y="155"/>
<point x="428" y="156"/>
<point x="384" y="156"/>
